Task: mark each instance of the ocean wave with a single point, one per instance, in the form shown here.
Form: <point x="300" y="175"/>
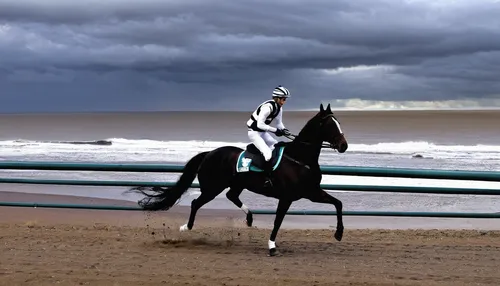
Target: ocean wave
<point x="91" y="142"/>
<point x="409" y="147"/>
<point x="97" y="142"/>
<point x="147" y="149"/>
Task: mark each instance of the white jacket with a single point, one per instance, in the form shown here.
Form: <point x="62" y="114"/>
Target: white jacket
<point x="265" y="113"/>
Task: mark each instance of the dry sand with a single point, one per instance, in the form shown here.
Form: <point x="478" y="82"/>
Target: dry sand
<point x="96" y="247"/>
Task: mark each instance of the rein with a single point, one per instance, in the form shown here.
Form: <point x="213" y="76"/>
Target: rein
<point x="323" y="144"/>
<point x="292" y="137"/>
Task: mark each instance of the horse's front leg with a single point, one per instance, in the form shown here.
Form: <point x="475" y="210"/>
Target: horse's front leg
<point x="320" y="196"/>
<point x="283" y="206"/>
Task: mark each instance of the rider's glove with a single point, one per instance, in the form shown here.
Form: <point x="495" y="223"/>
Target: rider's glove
<point x="281" y="132"/>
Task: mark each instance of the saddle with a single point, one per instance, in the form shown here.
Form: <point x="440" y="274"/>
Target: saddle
<point x="251" y="159"/>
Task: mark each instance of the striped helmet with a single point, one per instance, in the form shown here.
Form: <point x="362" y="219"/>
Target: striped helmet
<point x="281" y="91"/>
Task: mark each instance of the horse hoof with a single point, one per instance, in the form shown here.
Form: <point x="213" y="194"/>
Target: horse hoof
<point x="249" y="220"/>
<point x="274" y="252"/>
<point x="184" y="228"/>
<point x="338" y="235"/>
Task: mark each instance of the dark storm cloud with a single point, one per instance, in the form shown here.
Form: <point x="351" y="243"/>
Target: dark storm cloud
<point x="119" y="54"/>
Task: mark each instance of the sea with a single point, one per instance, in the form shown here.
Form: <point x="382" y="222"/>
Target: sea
<point x="420" y="139"/>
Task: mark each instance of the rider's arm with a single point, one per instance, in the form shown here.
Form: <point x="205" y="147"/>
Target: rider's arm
<point x="279" y="120"/>
<point x="264" y="112"/>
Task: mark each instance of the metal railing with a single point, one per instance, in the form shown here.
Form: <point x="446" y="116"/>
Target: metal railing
<point x="326" y="170"/>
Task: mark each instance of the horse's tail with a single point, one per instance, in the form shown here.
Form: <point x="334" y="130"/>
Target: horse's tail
<point x="163" y="198"/>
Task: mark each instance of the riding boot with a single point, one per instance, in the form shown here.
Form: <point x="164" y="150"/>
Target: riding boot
<point x="268" y="169"/>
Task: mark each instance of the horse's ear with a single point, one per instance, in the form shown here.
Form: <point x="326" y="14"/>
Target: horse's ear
<point x="328" y="108"/>
<point x="321" y="109"/>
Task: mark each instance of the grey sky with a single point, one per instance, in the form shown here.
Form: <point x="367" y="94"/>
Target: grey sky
<point x="219" y="55"/>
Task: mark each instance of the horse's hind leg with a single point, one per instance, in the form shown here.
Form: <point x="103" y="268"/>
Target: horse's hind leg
<point x="234" y="196"/>
<point x="206" y="196"/>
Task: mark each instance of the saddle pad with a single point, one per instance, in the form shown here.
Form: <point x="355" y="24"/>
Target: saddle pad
<point x="251" y="162"/>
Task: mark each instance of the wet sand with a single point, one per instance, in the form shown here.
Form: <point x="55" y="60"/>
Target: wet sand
<point x="97" y="247"/>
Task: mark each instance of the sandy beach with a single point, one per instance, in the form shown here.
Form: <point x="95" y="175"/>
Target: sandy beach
<point x="46" y="246"/>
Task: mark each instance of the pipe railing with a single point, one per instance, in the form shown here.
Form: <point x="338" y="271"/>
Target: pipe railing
<point x="268" y="212"/>
<point x="334" y="187"/>
<point x="326" y="170"/>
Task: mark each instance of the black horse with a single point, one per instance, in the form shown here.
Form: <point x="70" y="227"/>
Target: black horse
<point x="296" y="175"/>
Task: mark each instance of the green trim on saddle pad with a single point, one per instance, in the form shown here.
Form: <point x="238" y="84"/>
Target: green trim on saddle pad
<point x="244" y="164"/>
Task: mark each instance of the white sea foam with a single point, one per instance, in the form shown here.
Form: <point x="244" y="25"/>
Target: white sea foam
<point x="178" y="151"/>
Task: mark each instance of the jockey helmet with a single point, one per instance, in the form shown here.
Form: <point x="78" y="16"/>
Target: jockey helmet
<point x="281" y="91"/>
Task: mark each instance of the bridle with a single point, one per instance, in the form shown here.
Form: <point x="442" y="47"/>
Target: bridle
<point x="323" y="144"/>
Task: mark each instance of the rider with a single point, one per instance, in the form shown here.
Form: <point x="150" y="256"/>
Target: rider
<point x="259" y="128"/>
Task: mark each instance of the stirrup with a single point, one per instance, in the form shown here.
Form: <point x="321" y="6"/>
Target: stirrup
<point x="268" y="183"/>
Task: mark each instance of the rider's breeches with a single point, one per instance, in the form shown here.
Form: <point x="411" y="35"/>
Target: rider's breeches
<point x="264" y="142"/>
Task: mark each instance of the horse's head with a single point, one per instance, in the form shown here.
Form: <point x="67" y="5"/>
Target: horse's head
<point x="330" y="130"/>
<point x="323" y="127"/>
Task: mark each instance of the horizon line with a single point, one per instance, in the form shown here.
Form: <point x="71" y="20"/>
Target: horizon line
<point x="229" y="111"/>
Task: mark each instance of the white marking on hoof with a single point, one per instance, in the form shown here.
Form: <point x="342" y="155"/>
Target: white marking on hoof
<point x="271" y="244"/>
<point x="244" y="208"/>
<point x="184" y="228"/>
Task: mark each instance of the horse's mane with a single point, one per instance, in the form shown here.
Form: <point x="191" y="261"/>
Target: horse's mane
<point x="311" y="125"/>
<point x="309" y="130"/>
